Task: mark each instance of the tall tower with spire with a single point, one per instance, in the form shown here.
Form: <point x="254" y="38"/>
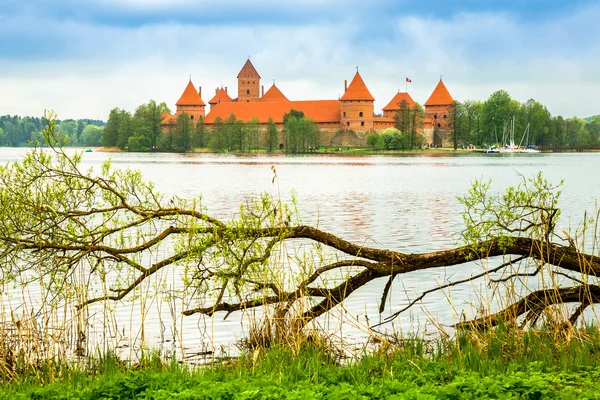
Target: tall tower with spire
<point x="357" y="106"/>
<point x="191" y="102"/>
<point x="248" y="83"/>
<point x="437" y="114"/>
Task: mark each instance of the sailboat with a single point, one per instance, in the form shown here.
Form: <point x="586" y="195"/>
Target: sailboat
<point x="527" y="148"/>
<point x="512" y="147"/>
<point x="509" y="147"/>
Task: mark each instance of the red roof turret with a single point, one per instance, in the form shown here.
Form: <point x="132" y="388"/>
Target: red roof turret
<point x="440" y="96"/>
<point x="248" y="70"/>
<point x="220" y="97"/>
<point x="190" y="97"/>
<point x="394" y="104"/>
<point x="357" y="90"/>
<point x="274" y="94"/>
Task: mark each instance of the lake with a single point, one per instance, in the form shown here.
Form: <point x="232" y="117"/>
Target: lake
<point x="406" y="203"/>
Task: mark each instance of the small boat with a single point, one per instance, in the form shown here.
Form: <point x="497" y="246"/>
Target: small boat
<point x="88" y="151"/>
<point x="492" y="150"/>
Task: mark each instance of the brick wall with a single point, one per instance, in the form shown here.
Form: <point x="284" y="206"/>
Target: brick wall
<point x="357" y="115"/>
<point x="194" y="111"/>
<point x="248" y="87"/>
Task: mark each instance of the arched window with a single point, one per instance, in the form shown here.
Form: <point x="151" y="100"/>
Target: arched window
<point x="348" y="123"/>
<point x="362" y="123"/>
<point x="445" y="116"/>
<point x="434" y="116"/>
<point x="360" y="114"/>
<point x="439" y="125"/>
<point x="248" y="91"/>
<point x="344" y="113"/>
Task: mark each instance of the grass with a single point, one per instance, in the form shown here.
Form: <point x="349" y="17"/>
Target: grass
<point x="502" y="363"/>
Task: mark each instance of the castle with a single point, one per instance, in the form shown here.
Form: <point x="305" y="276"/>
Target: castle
<point x="343" y="122"/>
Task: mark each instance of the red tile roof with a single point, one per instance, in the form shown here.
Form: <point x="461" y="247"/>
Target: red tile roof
<point x="190" y="97"/>
<point x="220" y="97"/>
<point x="167" y="118"/>
<point x="317" y="110"/>
<point x="248" y="70"/>
<point x="440" y="96"/>
<point x="394" y="104"/>
<point x="274" y="94"/>
<point x="357" y="90"/>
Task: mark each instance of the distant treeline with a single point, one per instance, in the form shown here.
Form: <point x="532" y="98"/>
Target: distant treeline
<point x="487" y="123"/>
<point x="19" y="131"/>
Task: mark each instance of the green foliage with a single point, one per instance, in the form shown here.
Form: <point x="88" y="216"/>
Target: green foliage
<point x="409" y="121"/>
<point x="301" y="133"/>
<point x="530" y="209"/>
<point x="393" y="139"/>
<point x="91" y="136"/>
<point x="22" y="131"/>
<point x="272" y="136"/>
<point x="311" y="373"/>
<point x="375" y="141"/>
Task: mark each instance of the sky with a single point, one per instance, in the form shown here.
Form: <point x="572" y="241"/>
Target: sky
<point x="84" y="58"/>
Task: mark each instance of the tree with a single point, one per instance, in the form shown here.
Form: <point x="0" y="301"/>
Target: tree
<point x="252" y="133"/>
<point x="375" y="141"/>
<point x="125" y="128"/>
<point x="218" y="139"/>
<point x="91" y="135"/>
<point x="455" y="122"/>
<point x="416" y="126"/>
<point x="200" y="134"/>
<point x="272" y="136"/>
<point x="301" y="133"/>
<point x="402" y="118"/>
<point x="183" y="133"/>
<point x="77" y="228"/>
<point x="495" y="114"/>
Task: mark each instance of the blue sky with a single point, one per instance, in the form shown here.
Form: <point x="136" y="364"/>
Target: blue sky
<point x="84" y="58"/>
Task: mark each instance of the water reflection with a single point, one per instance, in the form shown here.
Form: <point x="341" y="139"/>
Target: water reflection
<point x="406" y="203"/>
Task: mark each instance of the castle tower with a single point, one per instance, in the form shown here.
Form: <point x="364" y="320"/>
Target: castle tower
<point x="248" y="83"/>
<point x="273" y="94"/>
<point x="437" y="110"/>
<point x="220" y="96"/>
<point x="357" y="106"/>
<point x="191" y="102"/>
<point x="393" y="106"/>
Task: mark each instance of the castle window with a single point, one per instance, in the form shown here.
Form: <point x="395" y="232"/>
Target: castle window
<point x="348" y="123"/>
<point x="362" y="123"/>
<point x="344" y="113"/>
<point x="435" y="116"/>
<point x="445" y="116"/>
<point x="192" y="117"/>
<point x="248" y="91"/>
<point x="253" y="82"/>
<point x="360" y="114"/>
<point x="439" y="125"/>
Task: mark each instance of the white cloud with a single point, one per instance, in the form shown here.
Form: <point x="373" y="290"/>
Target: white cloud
<point x="98" y="67"/>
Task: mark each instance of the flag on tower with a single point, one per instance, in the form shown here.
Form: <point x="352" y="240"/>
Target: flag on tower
<point x="408" y="80"/>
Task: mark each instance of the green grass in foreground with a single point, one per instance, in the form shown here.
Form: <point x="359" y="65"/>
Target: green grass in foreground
<point x="502" y="365"/>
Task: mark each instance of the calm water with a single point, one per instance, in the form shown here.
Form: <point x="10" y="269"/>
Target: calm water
<point x="406" y="203"/>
